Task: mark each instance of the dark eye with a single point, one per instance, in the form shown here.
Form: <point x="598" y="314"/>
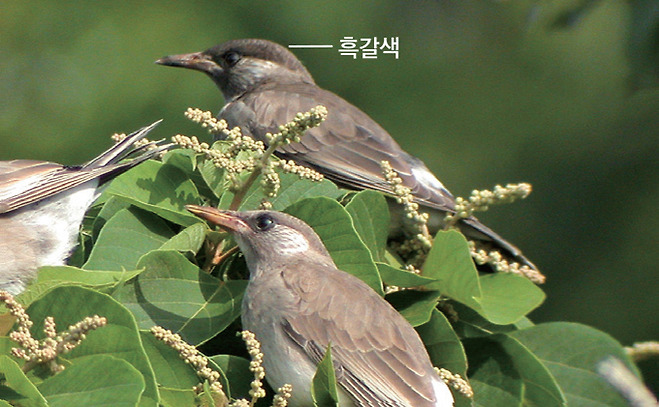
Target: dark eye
<point x="231" y="58"/>
<point x="264" y="222"/>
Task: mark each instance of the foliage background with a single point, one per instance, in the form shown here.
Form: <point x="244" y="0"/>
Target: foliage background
<point x="553" y="93"/>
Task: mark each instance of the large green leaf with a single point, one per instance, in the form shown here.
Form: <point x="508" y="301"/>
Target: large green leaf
<point x="125" y="238"/>
<point x="444" y="346"/>
<point x="323" y="385"/>
<point x="415" y="306"/>
<point x="505" y="373"/>
<point x="471" y="324"/>
<point x="187" y="161"/>
<point x="500" y="298"/>
<point x="119" y="338"/>
<point x="189" y="239"/>
<point x="95" y="278"/>
<point x="334" y="225"/>
<point x="370" y="216"/>
<point x="159" y="188"/>
<point x="177" y="397"/>
<point x="570" y="352"/>
<point x="402" y="278"/>
<point x="238" y="374"/>
<point x="81" y="385"/>
<point x="213" y="178"/>
<point x="16" y="387"/>
<point x="177" y="295"/>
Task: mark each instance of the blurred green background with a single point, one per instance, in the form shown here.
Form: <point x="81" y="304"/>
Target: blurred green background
<point x="559" y="94"/>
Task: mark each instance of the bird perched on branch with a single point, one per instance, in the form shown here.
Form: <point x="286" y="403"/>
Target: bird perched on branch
<point x="264" y="85"/>
<point x="42" y="205"/>
<point x="298" y="303"/>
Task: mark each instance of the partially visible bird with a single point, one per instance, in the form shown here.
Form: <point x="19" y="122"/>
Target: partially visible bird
<point x="265" y="85"/>
<point x="298" y="303"/>
<point x="42" y="205"/>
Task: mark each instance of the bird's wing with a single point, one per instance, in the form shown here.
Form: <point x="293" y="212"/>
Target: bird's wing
<point x="23" y="182"/>
<point x="378" y="357"/>
<point x="347" y="147"/>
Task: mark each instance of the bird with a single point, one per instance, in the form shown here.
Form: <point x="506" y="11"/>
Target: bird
<point x="297" y="303"/>
<point x="264" y="85"/>
<point x="42" y="205"/>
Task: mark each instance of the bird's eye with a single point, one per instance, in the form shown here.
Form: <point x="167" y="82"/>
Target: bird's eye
<point x="232" y="58"/>
<point x="264" y="222"/>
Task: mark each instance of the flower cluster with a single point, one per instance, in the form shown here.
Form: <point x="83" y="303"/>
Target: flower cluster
<point x="293" y="130"/>
<point x="255" y="365"/>
<point x="495" y="259"/>
<point x="415" y="248"/>
<point x="45" y="351"/>
<point x="238" y="154"/>
<point x="456" y="381"/>
<point x="643" y="350"/>
<point x="194" y="358"/>
<point x="480" y="200"/>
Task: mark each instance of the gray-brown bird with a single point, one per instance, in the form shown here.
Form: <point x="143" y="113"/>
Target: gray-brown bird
<point x="42" y="205"/>
<point x="298" y="303"/>
<point x="264" y="85"/>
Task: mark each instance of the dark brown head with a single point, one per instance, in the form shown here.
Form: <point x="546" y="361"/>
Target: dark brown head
<point x="239" y="66"/>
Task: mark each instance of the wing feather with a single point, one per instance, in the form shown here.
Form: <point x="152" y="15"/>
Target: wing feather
<point x="379" y="358"/>
<point x="348" y="147"/>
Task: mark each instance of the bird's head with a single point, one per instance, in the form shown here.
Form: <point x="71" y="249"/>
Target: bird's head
<point x="240" y="66"/>
<point x="267" y="237"/>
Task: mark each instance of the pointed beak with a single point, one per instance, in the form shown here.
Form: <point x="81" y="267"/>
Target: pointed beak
<point x="196" y="60"/>
<point x="226" y="219"/>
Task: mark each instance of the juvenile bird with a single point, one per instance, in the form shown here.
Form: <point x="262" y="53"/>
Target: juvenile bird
<point x="42" y="205"/>
<point x="298" y="303"/>
<point x="264" y="85"/>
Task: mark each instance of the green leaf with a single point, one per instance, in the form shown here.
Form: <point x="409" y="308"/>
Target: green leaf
<point x="81" y="385"/>
<point x="443" y="345"/>
<point x="334" y="225"/>
<point x="401" y="278"/>
<point x="170" y="370"/>
<point x="119" y="338"/>
<point x="292" y="189"/>
<point x="323" y="385"/>
<point x="95" y="278"/>
<point x="508" y="297"/>
<point x="108" y="210"/>
<point x="125" y="238"/>
<point x="415" y="306"/>
<point x="177" y="295"/>
<point x="16" y="387"/>
<point x="571" y="352"/>
<point x="471" y="324"/>
<point x="450" y="264"/>
<point x="213" y="177"/>
<point x="177" y="397"/>
<point x="505" y="373"/>
<point x="187" y="160"/>
<point x="189" y="239"/>
<point x="237" y="372"/>
<point x="159" y="188"/>
<point x="501" y="298"/>
<point x="370" y="216"/>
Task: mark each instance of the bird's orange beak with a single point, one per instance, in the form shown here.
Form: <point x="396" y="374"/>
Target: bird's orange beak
<point x="226" y="219"/>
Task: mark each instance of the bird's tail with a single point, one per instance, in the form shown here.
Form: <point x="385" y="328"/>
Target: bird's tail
<point x="124" y="155"/>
